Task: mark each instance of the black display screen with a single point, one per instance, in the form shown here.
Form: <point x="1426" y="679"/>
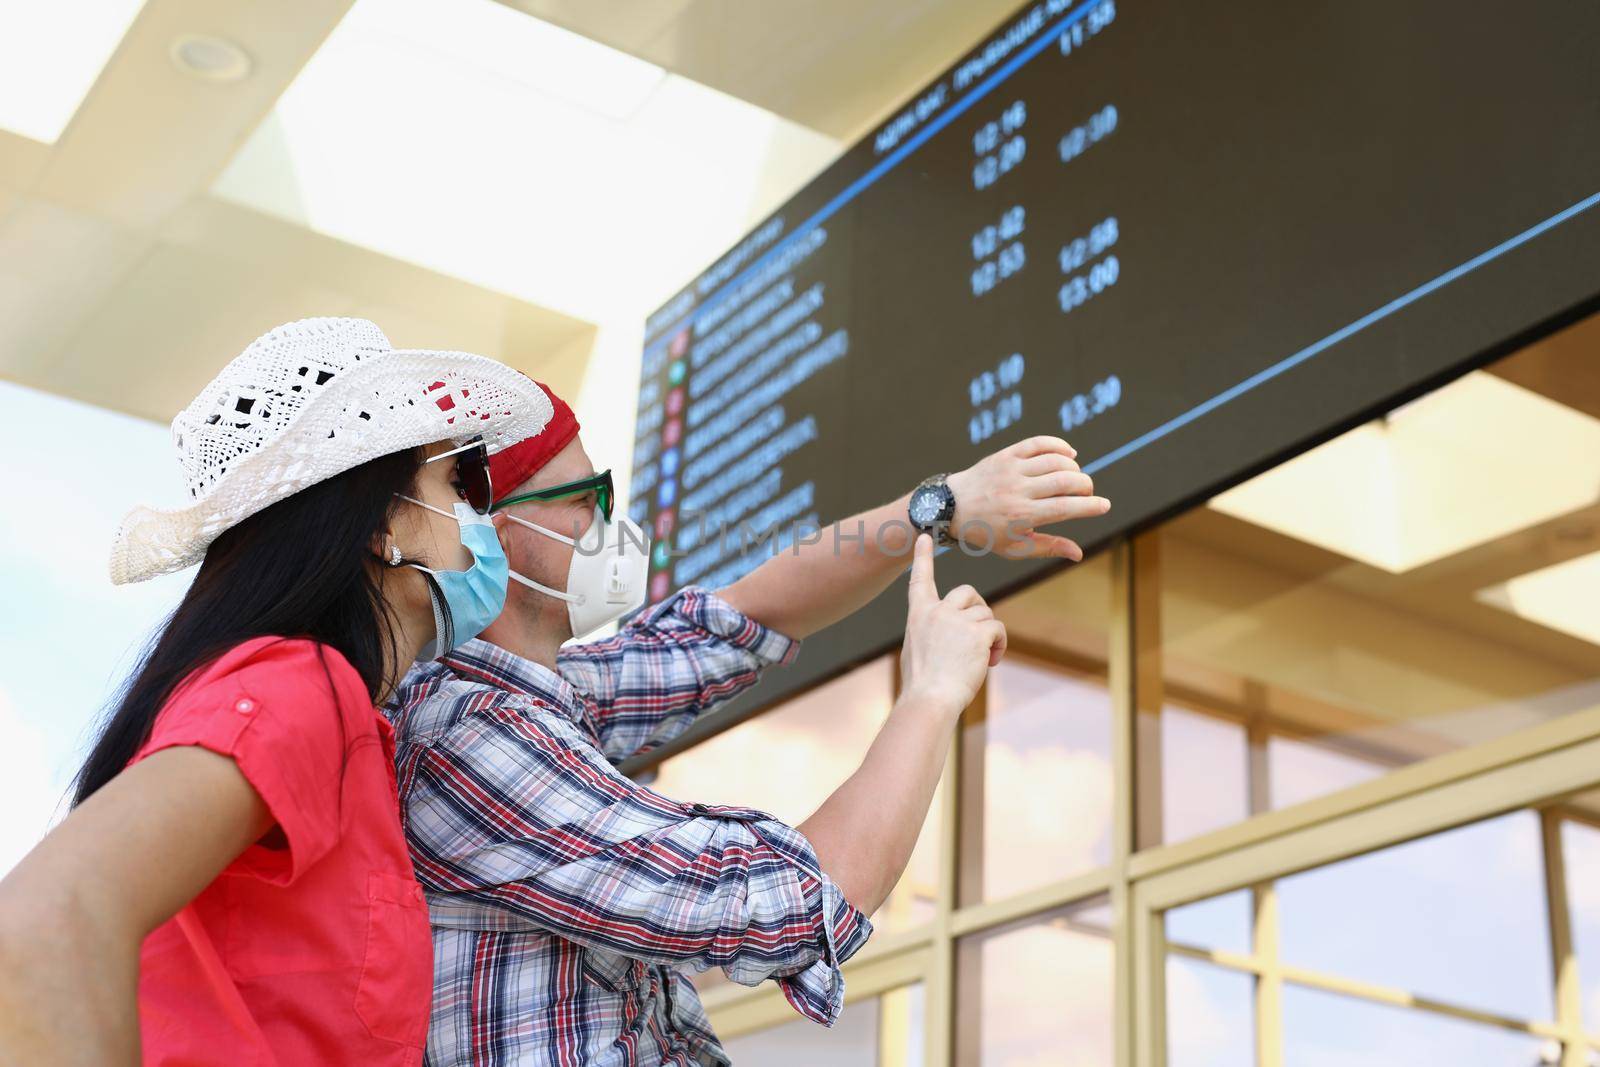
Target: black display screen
<point x="1189" y="238"/>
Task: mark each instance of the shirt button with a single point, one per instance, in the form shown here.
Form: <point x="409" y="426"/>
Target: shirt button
<point x="416" y="891"/>
<point x="245" y="707"/>
<point x="699" y="809"/>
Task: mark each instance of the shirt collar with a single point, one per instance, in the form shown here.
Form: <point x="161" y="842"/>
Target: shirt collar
<point x="478" y="659"/>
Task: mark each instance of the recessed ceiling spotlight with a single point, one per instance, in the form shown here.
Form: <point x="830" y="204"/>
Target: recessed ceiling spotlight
<point x="211" y="59"/>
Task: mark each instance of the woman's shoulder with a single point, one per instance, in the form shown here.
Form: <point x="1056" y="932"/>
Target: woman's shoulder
<point x="277" y="700"/>
<point x="287" y="672"/>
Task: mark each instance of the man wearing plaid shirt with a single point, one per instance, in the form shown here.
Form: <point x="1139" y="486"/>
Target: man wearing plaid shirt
<point x="567" y="900"/>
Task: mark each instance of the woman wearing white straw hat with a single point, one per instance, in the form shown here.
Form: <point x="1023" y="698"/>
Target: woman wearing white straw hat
<point x="232" y="885"/>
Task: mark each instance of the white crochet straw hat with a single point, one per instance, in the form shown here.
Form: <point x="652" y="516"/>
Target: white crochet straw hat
<point x="306" y="401"/>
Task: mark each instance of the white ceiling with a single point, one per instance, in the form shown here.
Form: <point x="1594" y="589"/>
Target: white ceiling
<point x="473" y="139"/>
<point x="125" y="279"/>
<point x="837" y="66"/>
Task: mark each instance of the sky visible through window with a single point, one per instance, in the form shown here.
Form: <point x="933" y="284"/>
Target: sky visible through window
<point x="68" y="636"/>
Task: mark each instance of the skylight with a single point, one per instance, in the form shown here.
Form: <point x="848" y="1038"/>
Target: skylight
<point x="478" y="141"/>
<point x="50" y="55"/>
<point x="1563" y="597"/>
<point x="1470" y="462"/>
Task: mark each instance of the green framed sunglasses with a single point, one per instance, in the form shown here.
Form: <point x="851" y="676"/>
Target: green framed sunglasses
<point x="599" y="484"/>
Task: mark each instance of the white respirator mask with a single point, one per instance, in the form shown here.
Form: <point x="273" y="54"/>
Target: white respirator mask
<point x="606" y="580"/>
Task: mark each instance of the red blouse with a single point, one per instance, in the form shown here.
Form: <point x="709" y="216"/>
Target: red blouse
<point x="317" y="953"/>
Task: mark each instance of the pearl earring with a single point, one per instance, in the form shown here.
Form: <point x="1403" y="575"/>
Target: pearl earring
<point x="394" y="555"/>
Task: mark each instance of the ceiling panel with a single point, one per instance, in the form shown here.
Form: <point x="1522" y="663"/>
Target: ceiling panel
<point x="837" y="66"/>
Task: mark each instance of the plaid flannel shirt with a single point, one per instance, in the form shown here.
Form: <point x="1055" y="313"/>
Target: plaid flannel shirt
<point x="566" y="899"/>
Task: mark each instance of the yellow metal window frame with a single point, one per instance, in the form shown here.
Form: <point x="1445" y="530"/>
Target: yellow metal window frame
<point x="1534" y="768"/>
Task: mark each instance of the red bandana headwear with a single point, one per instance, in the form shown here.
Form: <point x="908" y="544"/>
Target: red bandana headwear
<point x="510" y="467"/>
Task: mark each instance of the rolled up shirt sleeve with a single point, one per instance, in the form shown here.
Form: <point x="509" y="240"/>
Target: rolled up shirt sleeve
<point x="686" y="654"/>
<point x="516" y="821"/>
<point x="276" y="707"/>
<point x="814" y="989"/>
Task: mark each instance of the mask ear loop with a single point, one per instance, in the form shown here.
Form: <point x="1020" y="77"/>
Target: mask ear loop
<point x="437" y="511"/>
<point x="443" y="622"/>
<point x="570" y="598"/>
<point x="563" y="538"/>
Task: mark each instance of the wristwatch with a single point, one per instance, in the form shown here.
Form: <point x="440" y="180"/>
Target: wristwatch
<point x="933" y="509"/>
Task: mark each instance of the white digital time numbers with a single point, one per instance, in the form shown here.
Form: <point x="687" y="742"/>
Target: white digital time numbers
<point x="996" y="398"/>
<point x="1087" y="134"/>
<point x="1101" y="397"/>
<point x="999" y="146"/>
<point x="999" y="251"/>
<point x="1089" y="251"/>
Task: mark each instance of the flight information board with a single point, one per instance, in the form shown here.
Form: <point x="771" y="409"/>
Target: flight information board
<point x="1189" y="238"/>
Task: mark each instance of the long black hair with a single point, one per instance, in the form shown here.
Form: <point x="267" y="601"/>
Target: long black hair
<point x="298" y="568"/>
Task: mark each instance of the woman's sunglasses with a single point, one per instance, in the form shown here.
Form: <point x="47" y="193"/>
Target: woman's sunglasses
<point x="472" y="473"/>
<point x="598" y="484"/>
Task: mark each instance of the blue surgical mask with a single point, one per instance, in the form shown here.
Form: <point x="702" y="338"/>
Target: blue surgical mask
<point x="465" y="602"/>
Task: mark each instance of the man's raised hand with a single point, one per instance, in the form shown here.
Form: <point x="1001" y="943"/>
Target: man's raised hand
<point x="951" y="642"/>
<point x="1002" y="498"/>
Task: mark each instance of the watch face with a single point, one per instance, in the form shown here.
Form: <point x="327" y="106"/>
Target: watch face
<point x="927" y="504"/>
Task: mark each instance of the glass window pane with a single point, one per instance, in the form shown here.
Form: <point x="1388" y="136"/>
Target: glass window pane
<point x="1065" y="618"/>
<point x="1580" y="843"/>
<point x="788" y="760"/>
<point x="1366" y="604"/>
<point x="1300" y="770"/>
<point x="1221" y="922"/>
<point x="883" y="1031"/>
<point x="53" y="693"/>
<point x="1209" y="1015"/>
<point x="1323" y="1029"/>
<point x="1036" y="993"/>
<point x="1207" y="787"/>
<point x="1041" y="750"/>
<point x="902" y="1026"/>
<point x="1457" y="917"/>
<point x="1036" y="749"/>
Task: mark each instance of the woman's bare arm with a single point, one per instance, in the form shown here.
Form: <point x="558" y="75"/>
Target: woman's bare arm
<point x="75" y="911"/>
